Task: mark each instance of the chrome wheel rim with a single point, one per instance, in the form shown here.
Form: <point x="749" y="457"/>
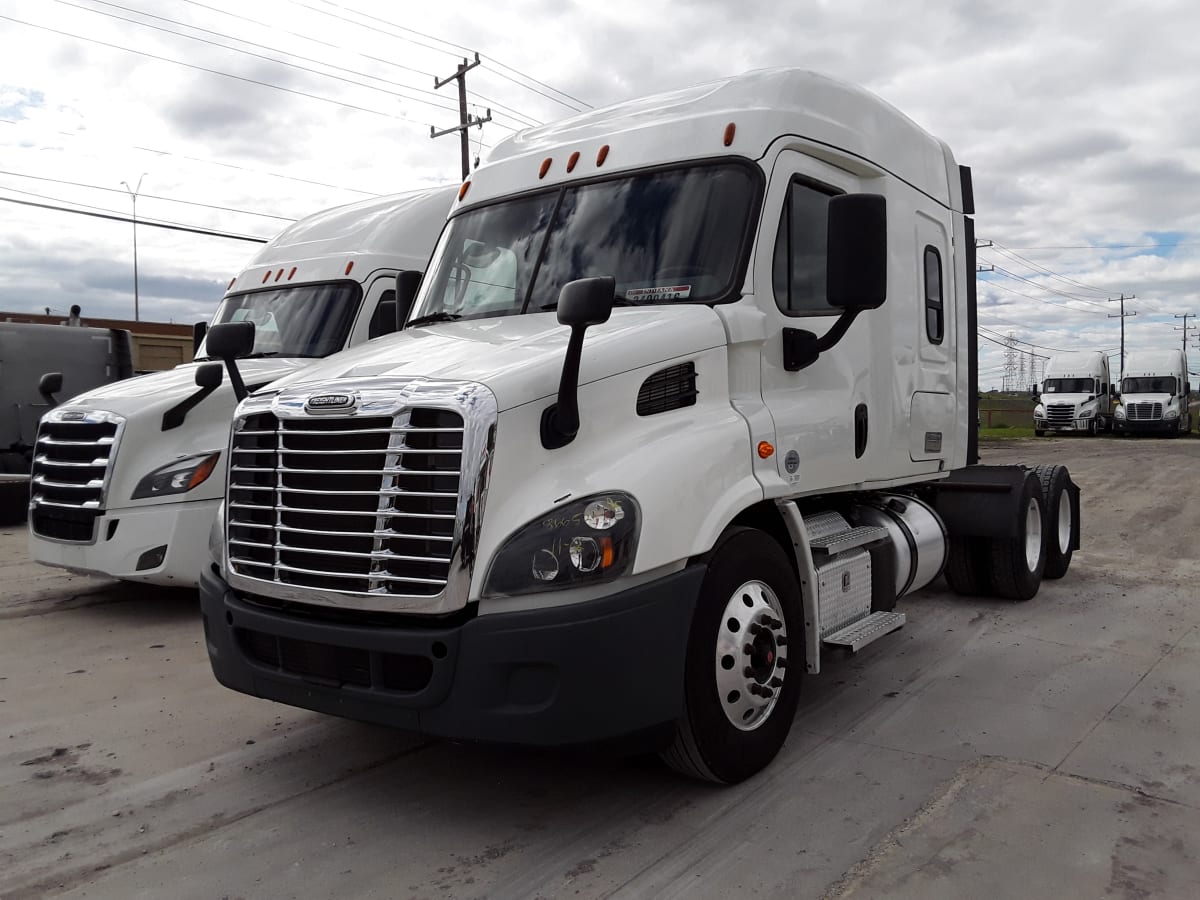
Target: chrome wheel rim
<point x="1064" y="522"/>
<point x="1033" y="534"/>
<point x="751" y="658"/>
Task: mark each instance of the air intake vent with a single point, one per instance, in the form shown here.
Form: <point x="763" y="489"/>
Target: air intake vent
<point x="668" y="389"/>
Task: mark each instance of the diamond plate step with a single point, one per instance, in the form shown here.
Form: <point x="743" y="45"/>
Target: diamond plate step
<point x="862" y="632"/>
<point x="848" y="540"/>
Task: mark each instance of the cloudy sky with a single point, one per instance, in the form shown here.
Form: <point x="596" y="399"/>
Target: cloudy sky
<point x="1078" y="119"/>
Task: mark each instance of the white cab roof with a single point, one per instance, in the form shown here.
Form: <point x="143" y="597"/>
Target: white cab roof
<point x="690" y="123"/>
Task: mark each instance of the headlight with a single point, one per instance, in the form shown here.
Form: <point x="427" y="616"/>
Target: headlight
<point x="1171" y="414"/>
<point x="1087" y="413"/>
<point x="1039" y="412"/>
<point x="178" y="476"/>
<point x="1120" y="412"/>
<point x="588" y="541"/>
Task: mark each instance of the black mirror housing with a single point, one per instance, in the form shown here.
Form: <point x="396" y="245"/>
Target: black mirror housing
<point x="587" y="301"/>
<point x="198" y="331"/>
<point x="856" y="254"/>
<point x="408" y="283"/>
<point x="231" y="340"/>
<point x="50" y="383"/>
<point x="209" y="376"/>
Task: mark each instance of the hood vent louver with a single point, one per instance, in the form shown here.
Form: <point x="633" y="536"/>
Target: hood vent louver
<point x="668" y="389"/>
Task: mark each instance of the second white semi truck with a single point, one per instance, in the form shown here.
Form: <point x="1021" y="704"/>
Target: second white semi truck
<point x="127" y="478"/>
<point x="1155" y="393"/>
<point x="686" y="402"/>
<point x="1076" y="394"/>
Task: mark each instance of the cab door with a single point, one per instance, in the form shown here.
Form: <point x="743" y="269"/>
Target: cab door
<point x="824" y="417"/>
<point x="931" y="409"/>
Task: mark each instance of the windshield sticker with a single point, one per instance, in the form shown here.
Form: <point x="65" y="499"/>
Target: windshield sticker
<point x="654" y="294"/>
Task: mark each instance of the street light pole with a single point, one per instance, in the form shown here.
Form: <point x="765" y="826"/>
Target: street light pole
<point x="133" y="192"/>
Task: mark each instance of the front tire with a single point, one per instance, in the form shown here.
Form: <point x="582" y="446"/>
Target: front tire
<point x="1038" y="432"/>
<point x="745" y="660"/>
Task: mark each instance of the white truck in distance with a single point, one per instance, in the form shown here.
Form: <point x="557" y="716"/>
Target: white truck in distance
<point x="743" y="466"/>
<point x="127" y="478"/>
<point x="1154" y="394"/>
<point x="1076" y="394"/>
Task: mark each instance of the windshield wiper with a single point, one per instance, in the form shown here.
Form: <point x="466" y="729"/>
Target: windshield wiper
<point x="433" y="317"/>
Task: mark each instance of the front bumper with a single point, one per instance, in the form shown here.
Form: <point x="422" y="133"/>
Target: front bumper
<point x="564" y="675"/>
<point x="128" y="538"/>
<point x="1146" y="426"/>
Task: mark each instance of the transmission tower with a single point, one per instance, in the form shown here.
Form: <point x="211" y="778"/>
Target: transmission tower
<point x="1010" y="362"/>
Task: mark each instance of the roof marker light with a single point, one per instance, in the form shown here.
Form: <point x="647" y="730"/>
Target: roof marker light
<point x="462" y="191"/>
<point x="545" y="167"/>
<point x="730" y="130"/>
<point x="349" y="266"/>
<point x="572" y="161"/>
<point x="602" y="156"/>
<point x="231" y="281"/>
<point x="279" y="274"/>
<point x="292" y="273"/>
<point x="266" y="275"/>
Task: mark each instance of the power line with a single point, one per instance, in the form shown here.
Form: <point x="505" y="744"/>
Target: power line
<point x="149" y="222"/>
<point x="1000" y="248"/>
<point x="97" y="187"/>
<point x="1114" y="246"/>
<point x="241" y="78"/>
<point x="1042" y="300"/>
<point x="1043" y="287"/>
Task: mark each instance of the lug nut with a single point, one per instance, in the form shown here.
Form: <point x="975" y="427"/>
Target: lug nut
<point x="776" y="682"/>
<point x="766" y="693"/>
<point x="781" y="663"/>
<point x="748" y="649"/>
<point x="755" y="689"/>
<point x="748" y="672"/>
<point x="755" y="628"/>
<point x="781" y="640"/>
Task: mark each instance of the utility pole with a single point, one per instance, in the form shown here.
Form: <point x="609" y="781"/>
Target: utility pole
<point x="133" y="192"/>
<point x="465" y="121"/>
<point x="1122" y="316"/>
<point x="1184" y="329"/>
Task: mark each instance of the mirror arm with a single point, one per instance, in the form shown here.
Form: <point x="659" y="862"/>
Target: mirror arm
<point x="801" y="348"/>
<point x="560" y="422"/>
<point x="235" y="379"/>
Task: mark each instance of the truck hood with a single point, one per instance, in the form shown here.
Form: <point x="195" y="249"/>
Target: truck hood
<point x="1164" y="399"/>
<point x="159" y="391"/>
<point x="520" y="358"/>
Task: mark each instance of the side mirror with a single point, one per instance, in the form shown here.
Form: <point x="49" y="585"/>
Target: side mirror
<point x="228" y="341"/>
<point x="581" y="304"/>
<point x="49" y="385"/>
<point x="208" y="376"/>
<point x="198" y="332"/>
<point x="1033" y="391"/>
<point x="856" y="253"/>
<point x="407" y="285"/>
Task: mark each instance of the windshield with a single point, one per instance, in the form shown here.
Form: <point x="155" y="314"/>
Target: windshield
<point x="1152" y="384"/>
<point x="1070" y="386"/>
<point x="304" y="320"/>
<point x="666" y="236"/>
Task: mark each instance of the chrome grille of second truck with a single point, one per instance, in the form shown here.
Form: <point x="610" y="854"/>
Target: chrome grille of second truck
<point x="70" y="472"/>
<point x="1144" y="412"/>
<point x="346" y="504"/>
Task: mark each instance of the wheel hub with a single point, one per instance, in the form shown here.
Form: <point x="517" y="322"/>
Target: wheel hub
<point x="751" y="655"/>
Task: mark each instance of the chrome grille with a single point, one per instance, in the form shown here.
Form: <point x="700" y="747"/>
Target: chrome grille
<point x="72" y="465"/>
<point x="1143" y="412"/>
<point x="351" y="504"/>
<point x="1060" y="413"/>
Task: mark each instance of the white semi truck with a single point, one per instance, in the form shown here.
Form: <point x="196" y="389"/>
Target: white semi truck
<point x="1154" y="394"/>
<point x="127" y="478"/>
<point x="1076" y="394"/>
<point x="685" y="403"/>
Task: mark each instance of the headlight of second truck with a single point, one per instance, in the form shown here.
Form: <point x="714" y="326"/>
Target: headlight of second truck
<point x="587" y="541"/>
<point x="178" y="476"/>
<point x="1039" y="412"/>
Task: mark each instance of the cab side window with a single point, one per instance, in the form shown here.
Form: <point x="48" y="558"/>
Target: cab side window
<point x="383" y="321"/>
<point x="798" y="267"/>
<point x="935" y="320"/>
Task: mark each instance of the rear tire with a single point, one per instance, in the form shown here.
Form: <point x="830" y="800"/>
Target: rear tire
<point x="1060" y="524"/>
<point x="749" y="581"/>
<point x="1018" y="562"/>
<point x="966" y="566"/>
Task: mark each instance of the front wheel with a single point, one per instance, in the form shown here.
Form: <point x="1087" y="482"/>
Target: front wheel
<point x="744" y="664"/>
<point x="1038" y="432"/>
